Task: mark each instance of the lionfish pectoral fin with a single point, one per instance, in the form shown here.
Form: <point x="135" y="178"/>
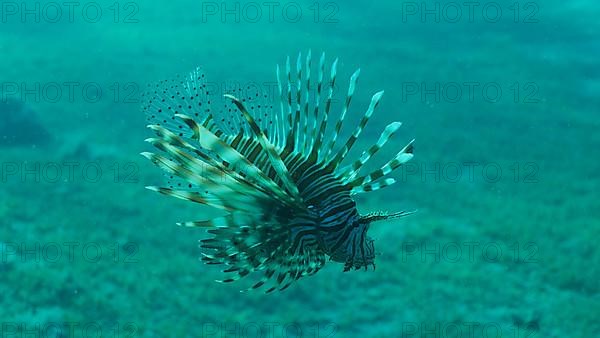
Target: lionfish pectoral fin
<point x="269" y="148"/>
<point x="383" y="216"/>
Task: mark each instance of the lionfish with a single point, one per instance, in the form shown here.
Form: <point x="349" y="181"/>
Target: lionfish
<point x="278" y="175"/>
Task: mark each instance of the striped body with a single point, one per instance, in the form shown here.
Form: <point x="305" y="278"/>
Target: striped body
<point x="277" y="175"/>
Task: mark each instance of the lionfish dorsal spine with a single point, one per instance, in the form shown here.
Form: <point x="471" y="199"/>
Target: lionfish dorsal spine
<point x="320" y="141"/>
<point x="298" y="92"/>
<point x="340" y="121"/>
<point x="402" y="157"/>
<point x="274" y="157"/>
<point x="305" y="133"/>
<point x="352" y="170"/>
<point x="320" y="75"/>
<point x="290" y="134"/>
<point x="358" y="130"/>
<point x="212" y="142"/>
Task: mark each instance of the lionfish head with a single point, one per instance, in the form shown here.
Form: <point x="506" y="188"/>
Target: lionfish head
<point x="358" y="250"/>
<point x="275" y="166"/>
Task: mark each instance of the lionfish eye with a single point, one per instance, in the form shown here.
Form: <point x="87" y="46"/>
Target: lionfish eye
<point x="278" y="173"/>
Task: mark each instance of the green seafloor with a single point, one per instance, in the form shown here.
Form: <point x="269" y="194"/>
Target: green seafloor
<point x="502" y="98"/>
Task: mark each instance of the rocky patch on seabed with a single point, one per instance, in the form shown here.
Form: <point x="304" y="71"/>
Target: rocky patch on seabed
<point x="20" y="126"/>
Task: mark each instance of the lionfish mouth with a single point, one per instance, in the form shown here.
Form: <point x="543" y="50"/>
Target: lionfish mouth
<point x="277" y="173"/>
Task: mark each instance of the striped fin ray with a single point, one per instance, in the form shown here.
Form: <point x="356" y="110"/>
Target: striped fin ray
<point x="211" y="164"/>
<point x="338" y="125"/>
<point x="193" y="197"/>
<point x="244" y="254"/>
<point x="210" y="141"/>
<point x="170" y="137"/>
<point x="382" y="216"/>
<point x="373" y="186"/>
<point x="220" y="222"/>
<point x="305" y="142"/>
<point x="282" y="267"/>
<point x="275" y="134"/>
<point x="276" y="161"/>
<point x="402" y="157"/>
<point x="283" y="276"/>
<point x="304" y="265"/>
<point x="222" y="195"/>
<point x="317" y="103"/>
<point x="257" y="101"/>
<point x="317" y="150"/>
<point x="282" y="122"/>
<point x="225" y="169"/>
<point x="352" y="170"/>
<point x="346" y="148"/>
<point x="230" y="203"/>
<point x="199" y="172"/>
<point x="289" y="138"/>
<point x="298" y="91"/>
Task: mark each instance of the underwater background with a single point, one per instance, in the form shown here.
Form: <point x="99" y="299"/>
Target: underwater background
<point x="501" y="97"/>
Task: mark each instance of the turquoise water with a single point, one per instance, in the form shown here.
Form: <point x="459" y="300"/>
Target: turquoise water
<point x="500" y="96"/>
